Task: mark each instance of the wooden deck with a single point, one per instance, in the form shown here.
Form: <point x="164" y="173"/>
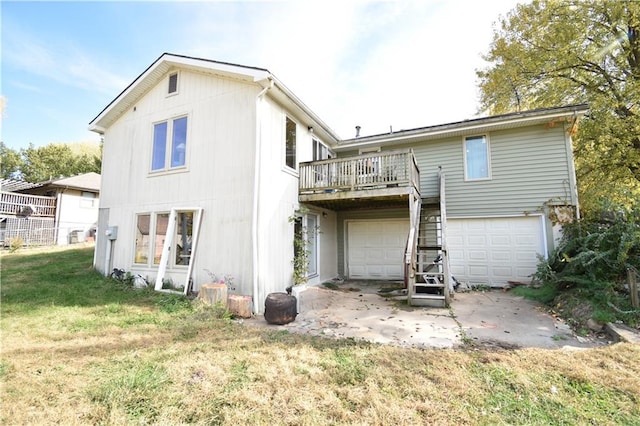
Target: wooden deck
<point x="23" y="205"/>
<point x="381" y="178"/>
<point x="30" y="218"/>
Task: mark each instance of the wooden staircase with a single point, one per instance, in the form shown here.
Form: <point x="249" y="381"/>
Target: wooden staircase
<point x="430" y="283"/>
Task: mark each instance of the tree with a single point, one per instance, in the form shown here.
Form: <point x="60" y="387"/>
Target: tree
<point x="10" y="162"/>
<point x="50" y="161"/>
<point x="550" y="53"/>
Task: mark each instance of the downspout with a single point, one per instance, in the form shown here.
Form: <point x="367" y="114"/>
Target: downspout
<point x="56" y="224"/>
<point x="256" y="196"/>
<point x="572" y="168"/>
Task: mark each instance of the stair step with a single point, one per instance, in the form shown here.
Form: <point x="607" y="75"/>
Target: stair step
<point x="427" y="296"/>
<point x="432" y="300"/>
<point x="429" y="285"/>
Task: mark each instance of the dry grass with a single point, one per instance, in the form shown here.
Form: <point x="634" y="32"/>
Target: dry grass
<point x="148" y="359"/>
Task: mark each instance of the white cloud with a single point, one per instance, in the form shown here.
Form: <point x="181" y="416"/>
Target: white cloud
<point x="376" y="64"/>
<point x="57" y="60"/>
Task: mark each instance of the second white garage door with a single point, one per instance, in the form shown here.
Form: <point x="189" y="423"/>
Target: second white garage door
<point x="496" y="250"/>
<point x="376" y="249"/>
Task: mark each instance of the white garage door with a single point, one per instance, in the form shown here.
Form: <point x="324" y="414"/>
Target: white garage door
<point x="494" y="251"/>
<point x="375" y="249"/>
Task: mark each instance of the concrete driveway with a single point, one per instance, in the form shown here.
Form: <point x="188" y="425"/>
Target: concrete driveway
<point x="491" y="318"/>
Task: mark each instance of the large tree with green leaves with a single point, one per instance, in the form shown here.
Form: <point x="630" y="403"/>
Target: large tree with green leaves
<point x="549" y="53"/>
<point x="38" y="164"/>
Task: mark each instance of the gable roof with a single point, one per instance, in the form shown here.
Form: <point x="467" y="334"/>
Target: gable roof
<point x="168" y="61"/>
<point x="472" y="126"/>
<point x="86" y="182"/>
<point x="89" y="182"/>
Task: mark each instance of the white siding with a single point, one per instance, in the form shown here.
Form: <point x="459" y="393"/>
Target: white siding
<point x="278" y="201"/>
<point x="76" y="214"/>
<point x="224" y="129"/>
<point x="218" y="177"/>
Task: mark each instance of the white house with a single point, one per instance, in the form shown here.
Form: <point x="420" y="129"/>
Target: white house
<point x="58" y="211"/>
<point x="205" y="163"/>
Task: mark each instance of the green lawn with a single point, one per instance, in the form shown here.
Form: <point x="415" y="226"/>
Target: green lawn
<point x="81" y="349"/>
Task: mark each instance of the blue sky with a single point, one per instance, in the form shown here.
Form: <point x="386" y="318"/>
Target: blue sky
<point x="375" y="64"/>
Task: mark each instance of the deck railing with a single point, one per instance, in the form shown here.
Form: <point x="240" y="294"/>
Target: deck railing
<point x="12" y="203"/>
<point x="372" y="170"/>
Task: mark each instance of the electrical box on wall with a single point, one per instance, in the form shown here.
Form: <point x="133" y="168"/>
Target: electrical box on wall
<point x="111" y="232"/>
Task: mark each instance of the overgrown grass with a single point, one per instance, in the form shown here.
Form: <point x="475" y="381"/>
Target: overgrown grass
<point x="81" y="349"/>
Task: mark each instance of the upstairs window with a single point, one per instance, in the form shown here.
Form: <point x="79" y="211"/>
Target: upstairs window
<point x="173" y="83"/>
<point x="477" y="158"/>
<point x="169" y="152"/>
<point x="290" y="143"/>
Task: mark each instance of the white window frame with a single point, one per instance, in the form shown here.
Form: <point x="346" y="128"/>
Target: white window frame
<point x="177" y="74"/>
<point x="168" y="146"/>
<point x="151" y="237"/>
<point x="317" y="147"/>
<point x="312" y="239"/>
<point x="464" y="152"/>
<point x="295" y="153"/>
<point x="169" y="243"/>
<point x="88" y="199"/>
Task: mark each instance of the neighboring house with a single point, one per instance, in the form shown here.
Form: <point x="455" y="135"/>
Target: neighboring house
<point x="205" y="163"/>
<point x="55" y="212"/>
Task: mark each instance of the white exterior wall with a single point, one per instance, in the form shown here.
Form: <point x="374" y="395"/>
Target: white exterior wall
<point x="278" y="201"/>
<point x="75" y="214"/>
<point x="227" y="123"/>
<point x="218" y="176"/>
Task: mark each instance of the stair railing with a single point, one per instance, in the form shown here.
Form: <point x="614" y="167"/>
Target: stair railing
<point x="446" y="269"/>
<point x="411" y="250"/>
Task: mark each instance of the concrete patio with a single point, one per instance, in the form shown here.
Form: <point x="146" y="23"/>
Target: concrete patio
<point x="484" y="318"/>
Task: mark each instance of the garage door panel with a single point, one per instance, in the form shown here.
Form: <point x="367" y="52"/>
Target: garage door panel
<point x="477" y="255"/>
<point x="500" y="256"/>
<point x="375" y="248"/>
<point x="478" y="270"/>
<point x="494" y="250"/>
<point x="500" y="240"/>
<point x="477" y="240"/>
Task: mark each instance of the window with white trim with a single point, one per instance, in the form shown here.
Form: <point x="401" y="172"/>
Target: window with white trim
<point x="169" y="144"/>
<point x="151" y="233"/>
<point x="143" y="239"/>
<point x="321" y="151"/>
<point x="173" y="83"/>
<point x="477" y="158"/>
<point x="290" y="143"/>
<point x="88" y="199"/>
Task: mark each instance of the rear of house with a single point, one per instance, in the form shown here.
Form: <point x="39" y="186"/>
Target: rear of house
<point x="199" y="177"/>
<point x="503" y="178"/>
<point x="208" y="168"/>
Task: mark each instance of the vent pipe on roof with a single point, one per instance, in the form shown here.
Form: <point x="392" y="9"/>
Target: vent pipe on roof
<point x="358" y="131"/>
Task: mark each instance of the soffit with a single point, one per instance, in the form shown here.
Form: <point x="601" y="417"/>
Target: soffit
<point x="548" y="116"/>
